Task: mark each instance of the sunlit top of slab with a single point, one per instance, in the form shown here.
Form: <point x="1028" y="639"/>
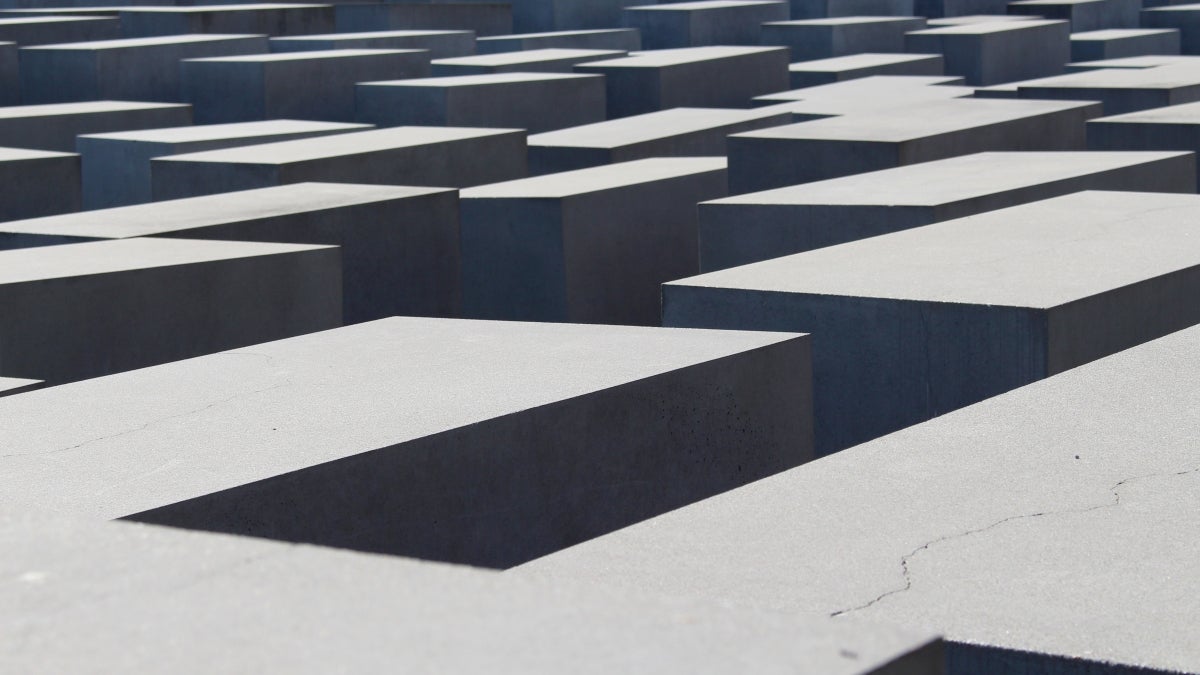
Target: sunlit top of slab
<point x="597" y="179"/>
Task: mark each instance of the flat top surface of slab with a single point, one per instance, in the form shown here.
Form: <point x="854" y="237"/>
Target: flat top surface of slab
<point x="703" y="5"/>
<point x="979" y="18"/>
<point x="1175" y="8"/>
<point x="205" y="9"/>
<point x="81" y="108"/>
<point x="302" y="56"/>
<point x="1039" y="255"/>
<point x="484" y="79"/>
<point x="987" y="27"/>
<point x="134" y="43"/>
<point x="19" y="154"/>
<point x="1119" y="33"/>
<point x="207" y="132"/>
<point x="674" y="57"/>
<point x="1159" y="77"/>
<point x="230" y="207"/>
<point x="270" y="409"/>
<point x="371" y="34"/>
<point x="557" y="33"/>
<point x="596" y="179"/>
<point x="20" y="21"/>
<point x="875" y="86"/>
<point x="1149" y="61"/>
<point x="639" y="128"/>
<point x="528" y="56"/>
<point x="1185" y="113"/>
<point x="855" y="61"/>
<point x="839" y="20"/>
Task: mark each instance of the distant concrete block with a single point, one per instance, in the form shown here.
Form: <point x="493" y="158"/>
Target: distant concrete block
<point x="1119" y="43"/>
<point x="823" y="38"/>
<point x="55" y="126"/>
<point x="958" y="8"/>
<point x="429" y="156"/>
<point x="83" y="310"/>
<point x="10" y="74"/>
<point x="1171" y="128"/>
<point x="299" y="85"/>
<point x="842" y="68"/>
<point x="37" y="183"/>
<point x="588" y="246"/>
<point x="992" y="53"/>
<point x="531" y="61"/>
<point x="820" y="9"/>
<point x="480" y="18"/>
<point x="566" y="15"/>
<point x="116" y="166"/>
<point x="1120" y="90"/>
<point x="533" y="101"/>
<point x="1084" y="15"/>
<point x="441" y="44"/>
<point x="45" y="30"/>
<point x="977" y="18"/>
<point x="707" y="22"/>
<point x="261" y="18"/>
<point x="870" y="94"/>
<point x="141" y="69"/>
<point x="697" y="77"/>
<point x="620" y="39"/>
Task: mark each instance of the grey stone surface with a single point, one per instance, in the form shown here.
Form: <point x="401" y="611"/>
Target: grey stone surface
<point x="139" y="69"/>
<point x="706" y="22"/>
<point x="83" y="310"/>
<point x="1120" y="90"/>
<point x="819" y="9"/>
<point x="841" y="36"/>
<point x="1135" y="62"/>
<point x="872" y="94"/>
<point x="533" y="101"/>
<point x="955" y="8"/>
<point x="1184" y="17"/>
<point x="587" y="246"/>
<point x="16" y="385"/>
<point x="441" y="44"/>
<point x="407" y="436"/>
<point x="697" y="76"/>
<point x="564" y="15"/>
<point x="1084" y="15"/>
<point x="10" y="74"/>
<point x="842" y="68"/>
<point x="921" y="132"/>
<point x="992" y="53"/>
<point x="1119" y="43"/>
<point x="1049" y="530"/>
<point x="911" y="325"/>
<point x="317" y="85"/>
<point x="55" y="126"/>
<point x="44" y="30"/>
<point x="977" y="18"/>
<point x="762" y="225"/>
<point x="1171" y="128"/>
<point x="678" y="132"/>
<point x="399" y="245"/>
<point x="440" y="157"/>
<point x="551" y="60"/>
<point x="258" y="18"/>
<point x="621" y="39"/>
<point x="481" y="18"/>
<point x="37" y="183"/>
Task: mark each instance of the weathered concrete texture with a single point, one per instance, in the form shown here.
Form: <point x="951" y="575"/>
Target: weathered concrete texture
<point x="16" y="385"/>
<point x="480" y="18"/>
<point x="1186" y="18"/>
<point x="1120" y="90"/>
<point x="441" y="44"/>
<point x="842" y="68"/>
<point x="706" y="22"/>
<point x="301" y="85"/>
<point x="45" y="30"/>
<point x="533" y="101"/>
<point x="588" y="246"/>
<point x="1062" y="508"/>
<point x="262" y="18"/>
<point x="922" y="132"/>
<point x="407" y="436"/>
<point x="399" y="245"/>
<point x="55" y="126"/>
<point x="678" y="132"/>
<point x="823" y="38"/>
<point x="1119" y="43"/>
<point x="1171" y="128"/>
<point x="552" y="60"/>
<point x="992" y="53"/>
<point x="819" y="9"/>
<point x="116" y="166"/>
<point x="1084" y="15"/>
<point x="83" y="310"/>
<point x="698" y="76"/>
<point x="10" y="74"/>
<point x="915" y="324"/>
<point x="763" y="225"/>
<point x="620" y="39"/>
<point x="37" y="183"/>
<point x="439" y="157"/>
<point x="140" y="69"/>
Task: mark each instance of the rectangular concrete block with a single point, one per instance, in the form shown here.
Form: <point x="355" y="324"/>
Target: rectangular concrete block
<point x="553" y="60"/>
<point x="820" y="9"/>
<point x="315" y="85"/>
<point x="567" y="15"/>
<point x="763" y="225"/>
<point x="430" y="156"/>
<point x="1084" y="15"/>
<point x="993" y="53"/>
<point x="620" y="39"/>
<point x="140" y="69"/>
<point x="911" y="325"/>
<point x="977" y="18"/>
<point x="37" y="183"/>
<point x="810" y="39"/>
<point x="872" y="94"/>
<point x="1134" y="62"/>
<point x="956" y="8"/>
<point x="678" y="132"/>
<point x="674" y="25"/>
<point x="841" y="68"/>
<point x="695" y="77"/>
<point x="1185" y="18"/>
<point x="442" y="44"/>
<point x="1118" y="43"/>
<point x="10" y="74"/>
<point x="261" y="18"/>
<point x="83" y="310"/>
<point x="922" y="132"/>
<point x="407" y="436"/>
<point x="45" y="30"/>
<point x="399" y="245"/>
<point x="1170" y="128"/>
<point x="533" y="101"/>
<point x="116" y="166"/>
<point x="1120" y="90"/>
<point x="480" y="18"/>
<point x="55" y="126"/>
<point x="588" y="246"/>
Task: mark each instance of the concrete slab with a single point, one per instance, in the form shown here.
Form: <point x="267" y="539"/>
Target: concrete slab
<point x="531" y="61"/>
<point x="533" y="101"/>
<point x="55" y="126"/>
<point x="564" y="15"/>
<point x="37" y="183"/>
<point x="258" y="18"/>
<point x="763" y="225"/>
<point x="1118" y="43"/>
<point x="399" y="245"/>
<point x="406" y="436"/>
<point x="1120" y="90"/>
<point x="10" y="74"/>
<point x="1059" y="507"/>
<point x="16" y="385"/>
<point x="621" y="39"/>
<point x="911" y="325"/>
<point x="300" y="85"/>
<point x="993" y="53"/>
<point x="1152" y="61"/>
<point x="674" y="25"/>
<point x="922" y="132"/>
<point x="678" y="132"/>
<point x="84" y="310"/>
<point x="441" y="44"/>
<point x="871" y="94"/>
<point x="977" y="18"/>
<point x="140" y="69"/>
<point x="478" y="17"/>
<point x="587" y="246"/>
<point x="842" y="36"/>
<point x="842" y="68"/>
<point x="820" y="9"/>
<point x="1186" y="18"/>
<point x="1171" y="128"/>
<point x="45" y="30"/>
<point x="1084" y="15"/>
<point x="439" y="157"/>
<point x="698" y="76"/>
<point x="116" y="166"/>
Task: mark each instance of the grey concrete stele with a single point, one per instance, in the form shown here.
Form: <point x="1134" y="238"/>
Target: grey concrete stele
<point x="47" y="30"/>
<point x="1174" y="127"/>
<point x="841" y="68"/>
<point x="820" y="9"/>
<point x="84" y="310"/>
<point x="840" y="36"/>
<point x="261" y="18"/>
<point x="55" y="126"/>
<point x="620" y="39"/>
<point x="1061" y="508"/>
<point x="427" y="156"/>
<point x="1120" y="90"/>
<point x="587" y="246"/>
<point x="992" y="53"/>
<point x="1186" y="18"/>
<point x="673" y="25"/>
<point x="874" y="94"/>
<point x="407" y="436"/>
<point x="37" y="183"/>
<point x="1084" y="15"/>
<point x="478" y="17"/>
<point x="911" y="325"/>
<point x="1123" y="42"/>
<point x="441" y="44"/>
<point x="759" y="226"/>
<point x="552" y="60"/>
